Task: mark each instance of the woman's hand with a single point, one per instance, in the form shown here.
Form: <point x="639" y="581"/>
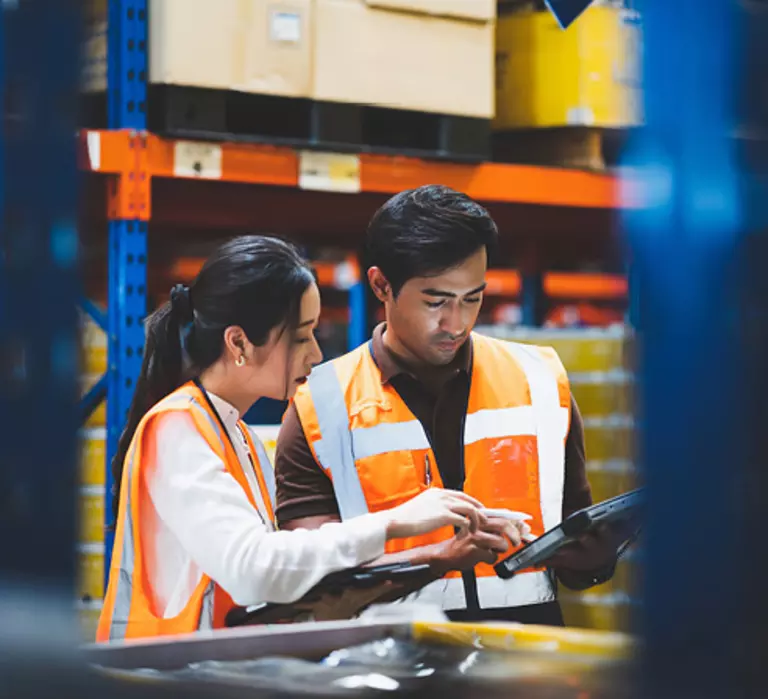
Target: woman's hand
<point x="433" y="509"/>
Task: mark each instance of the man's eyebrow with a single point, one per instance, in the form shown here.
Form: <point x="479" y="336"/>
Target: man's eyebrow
<point x="450" y="295"/>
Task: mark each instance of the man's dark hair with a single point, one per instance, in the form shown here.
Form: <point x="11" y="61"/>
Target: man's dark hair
<point x="426" y="231"/>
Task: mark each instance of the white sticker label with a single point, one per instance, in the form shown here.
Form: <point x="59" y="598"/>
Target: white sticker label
<point x="93" y="142"/>
<point x="285" y="27"/>
<point x="329" y="172"/>
<point x="193" y="159"/>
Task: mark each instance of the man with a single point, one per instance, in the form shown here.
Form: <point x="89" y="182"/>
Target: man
<point x="427" y="402"/>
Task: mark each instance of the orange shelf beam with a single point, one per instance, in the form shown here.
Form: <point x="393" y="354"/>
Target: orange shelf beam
<point x="109" y="152"/>
<point x="501" y="282"/>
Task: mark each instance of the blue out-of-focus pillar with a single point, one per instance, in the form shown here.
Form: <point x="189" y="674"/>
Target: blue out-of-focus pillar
<point x="691" y="281"/>
<point x="39" y="46"/>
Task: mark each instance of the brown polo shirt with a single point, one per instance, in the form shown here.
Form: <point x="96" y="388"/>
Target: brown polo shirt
<point x="439" y="401"/>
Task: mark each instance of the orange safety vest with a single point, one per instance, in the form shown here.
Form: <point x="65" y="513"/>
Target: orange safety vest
<point x="128" y="610"/>
<point x="373" y="447"/>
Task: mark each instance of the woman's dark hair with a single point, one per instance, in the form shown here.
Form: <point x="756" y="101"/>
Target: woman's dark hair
<point x="255" y="282"/>
<point x="426" y="231"/>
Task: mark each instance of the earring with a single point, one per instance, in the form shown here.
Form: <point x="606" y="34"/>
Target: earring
<point x="240" y="361"/>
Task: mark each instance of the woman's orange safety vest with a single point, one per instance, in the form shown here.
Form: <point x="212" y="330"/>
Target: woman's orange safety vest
<point x="377" y="453"/>
<point x="128" y="611"/>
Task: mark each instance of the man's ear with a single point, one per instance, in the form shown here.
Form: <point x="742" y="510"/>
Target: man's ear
<point x="379" y="284"/>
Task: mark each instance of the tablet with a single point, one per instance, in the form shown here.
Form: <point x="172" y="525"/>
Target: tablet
<point x="626" y="507"/>
<point x="334" y="583"/>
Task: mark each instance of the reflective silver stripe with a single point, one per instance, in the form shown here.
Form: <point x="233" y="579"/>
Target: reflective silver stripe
<point x="446" y="593"/>
<point x="206" y="611"/>
<point x="267" y="470"/>
<point x="124" y="592"/>
<point x="550" y="443"/>
<point x="334" y="449"/>
<point x="504" y="422"/>
<point x="523" y="589"/>
<point x="483" y="424"/>
<point x="388" y="437"/>
<point x="493" y="592"/>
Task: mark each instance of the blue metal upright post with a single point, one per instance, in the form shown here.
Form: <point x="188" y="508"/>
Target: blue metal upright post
<point x="39" y="289"/>
<point x="532" y="299"/>
<point x="127" y="109"/>
<point x="357" y="332"/>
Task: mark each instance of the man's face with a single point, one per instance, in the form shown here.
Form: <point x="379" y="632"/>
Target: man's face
<point x="432" y="317"/>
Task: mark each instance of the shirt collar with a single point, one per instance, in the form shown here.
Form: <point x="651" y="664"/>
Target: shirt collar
<point x="390" y="365"/>
<point x="228" y="413"/>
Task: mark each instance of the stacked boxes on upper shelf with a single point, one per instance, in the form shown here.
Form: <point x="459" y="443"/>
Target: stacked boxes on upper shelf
<point x="600" y="368"/>
<point x="320" y="72"/>
<point x="92" y="481"/>
<point x="564" y="97"/>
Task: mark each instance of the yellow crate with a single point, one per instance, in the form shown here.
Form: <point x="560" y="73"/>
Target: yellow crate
<point x="587" y="351"/>
<point x="626" y="582"/>
<point x="589" y="354"/>
<point x="93" y="347"/>
<point x="99" y="416"/>
<point x="93" y="457"/>
<point x="93" y="359"/>
<point x="91" y="516"/>
<point x="589" y="75"/>
<point x="90" y="573"/>
<point x="609" y="482"/>
<point x="608" y="440"/>
<point x="267" y="434"/>
<point x="599" y="613"/>
<point x="88" y="617"/>
<point x="603" y="394"/>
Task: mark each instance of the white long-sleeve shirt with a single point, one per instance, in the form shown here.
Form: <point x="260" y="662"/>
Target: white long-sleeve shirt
<point x="201" y="521"/>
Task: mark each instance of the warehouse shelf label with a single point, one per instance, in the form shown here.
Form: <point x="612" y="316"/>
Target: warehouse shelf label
<point x="195" y="159"/>
<point x="285" y="27"/>
<point x="94" y="150"/>
<point x="329" y="172"/>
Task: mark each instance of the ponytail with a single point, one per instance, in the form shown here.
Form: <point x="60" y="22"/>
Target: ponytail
<point x="253" y="282"/>
<point x="161" y="372"/>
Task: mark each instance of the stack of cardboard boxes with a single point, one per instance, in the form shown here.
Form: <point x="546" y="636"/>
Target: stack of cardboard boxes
<point x="422" y="55"/>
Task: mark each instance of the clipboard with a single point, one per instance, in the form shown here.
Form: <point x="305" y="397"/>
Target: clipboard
<point x="623" y="508"/>
<point x="335" y="583"/>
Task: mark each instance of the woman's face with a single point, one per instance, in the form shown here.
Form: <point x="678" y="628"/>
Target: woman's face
<point x="293" y="354"/>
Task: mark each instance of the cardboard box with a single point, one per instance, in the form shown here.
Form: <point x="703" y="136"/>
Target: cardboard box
<point x="259" y="46"/>
<point x="589" y="75"/>
<point x="399" y="54"/>
<point x="93" y="77"/>
<point x="482" y="10"/>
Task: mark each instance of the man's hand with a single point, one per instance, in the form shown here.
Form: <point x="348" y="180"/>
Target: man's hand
<point x="595" y="550"/>
<point x="465" y="550"/>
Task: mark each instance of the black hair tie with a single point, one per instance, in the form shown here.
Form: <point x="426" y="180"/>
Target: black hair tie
<point x="181" y="304"/>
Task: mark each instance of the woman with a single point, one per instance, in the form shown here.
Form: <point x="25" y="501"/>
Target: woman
<point x="194" y="531"/>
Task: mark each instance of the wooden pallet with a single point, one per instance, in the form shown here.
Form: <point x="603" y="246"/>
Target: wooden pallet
<point x="188" y="112"/>
<point x="583" y="148"/>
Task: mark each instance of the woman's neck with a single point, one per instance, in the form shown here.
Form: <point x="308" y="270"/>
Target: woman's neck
<point x="224" y="383"/>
